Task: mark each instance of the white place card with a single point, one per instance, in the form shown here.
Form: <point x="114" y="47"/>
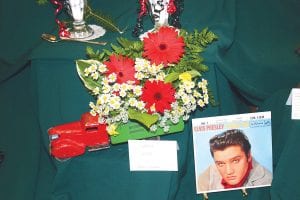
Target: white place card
<point x="152" y="155"/>
<point x="294" y="100"/>
<point x="296" y="103"/>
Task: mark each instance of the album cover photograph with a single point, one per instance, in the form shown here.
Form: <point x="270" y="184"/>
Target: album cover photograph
<point x="232" y="152"/>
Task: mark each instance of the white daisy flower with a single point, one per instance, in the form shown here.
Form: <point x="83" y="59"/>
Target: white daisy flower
<point x="140" y="105"/>
<point x="201" y="103"/>
<point x="112" y="78"/>
<point x="137" y="90"/>
<point x="95" y="75"/>
<point x="102" y="68"/>
<point x="132" y="102"/>
<point x="96" y="91"/>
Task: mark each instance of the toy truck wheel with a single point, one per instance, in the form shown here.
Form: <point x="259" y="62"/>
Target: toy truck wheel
<point x="98" y="147"/>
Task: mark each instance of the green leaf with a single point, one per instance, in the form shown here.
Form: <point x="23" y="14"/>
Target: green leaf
<point x="194" y="73"/>
<point x="117" y="49"/>
<point x="124" y="42"/>
<point x="200" y="68"/>
<point x="138" y="46"/>
<point x="103" y="56"/>
<point x="195" y="48"/>
<point x="172" y="77"/>
<point x="212" y="100"/>
<point x="90" y="52"/>
<point x="207" y="37"/>
<point x="143" y="118"/>
<point x="89" y="83"/>
<point x="107" y="52"/>
<point x="41" y="2"/>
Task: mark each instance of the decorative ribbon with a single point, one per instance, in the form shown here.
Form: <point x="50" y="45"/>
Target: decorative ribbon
<point x="143" y="8"/>
<point x="62" y="28"/>
<point x="171" y="7"/>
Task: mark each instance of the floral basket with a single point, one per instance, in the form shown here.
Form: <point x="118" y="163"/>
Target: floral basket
<point x="155" y="82"/>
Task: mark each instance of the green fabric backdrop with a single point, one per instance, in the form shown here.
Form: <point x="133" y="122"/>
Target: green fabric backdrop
<point x="253" y="62"/>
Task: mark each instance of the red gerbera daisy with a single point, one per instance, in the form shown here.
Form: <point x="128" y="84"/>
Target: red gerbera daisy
<point x="159" y="95"/>
<point x="164" y="46"/>
<point x="123" y="67"/>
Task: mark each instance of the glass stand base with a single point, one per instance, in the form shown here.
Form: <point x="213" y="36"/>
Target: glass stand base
<point x="80" y="31"/>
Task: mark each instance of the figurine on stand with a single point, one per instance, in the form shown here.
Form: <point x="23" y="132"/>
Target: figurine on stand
<point x="162" y="13"/>
<point x="80" y="29"/>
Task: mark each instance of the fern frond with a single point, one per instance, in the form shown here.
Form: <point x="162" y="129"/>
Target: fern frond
<point x="206" y="37"/>
<point x="104" y="20"/>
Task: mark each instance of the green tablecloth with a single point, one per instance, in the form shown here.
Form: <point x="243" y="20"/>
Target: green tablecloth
<point x="105" y="174"/>
<point x="39" y="88"/>
<point x="285" y="133"/>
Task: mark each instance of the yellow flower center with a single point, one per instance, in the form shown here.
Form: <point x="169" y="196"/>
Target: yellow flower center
<point x="112" y="130"/>
<point x="185" y="76"/>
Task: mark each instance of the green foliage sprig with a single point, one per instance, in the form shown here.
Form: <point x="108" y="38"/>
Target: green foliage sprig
<point x="128" y="48"/>
<point x="196" y="43"/>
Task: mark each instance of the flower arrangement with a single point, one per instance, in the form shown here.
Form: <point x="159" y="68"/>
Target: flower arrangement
<point x="156" y="81"/>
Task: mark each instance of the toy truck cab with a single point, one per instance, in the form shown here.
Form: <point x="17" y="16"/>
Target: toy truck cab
<point x="72" y="139"/>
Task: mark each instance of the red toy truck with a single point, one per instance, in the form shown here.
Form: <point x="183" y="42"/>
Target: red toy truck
<point x="72" y="139"/>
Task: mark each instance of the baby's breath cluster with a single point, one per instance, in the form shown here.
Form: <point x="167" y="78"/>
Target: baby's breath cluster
<point x="113" y="99"/>
<point x="146" y="71"/>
